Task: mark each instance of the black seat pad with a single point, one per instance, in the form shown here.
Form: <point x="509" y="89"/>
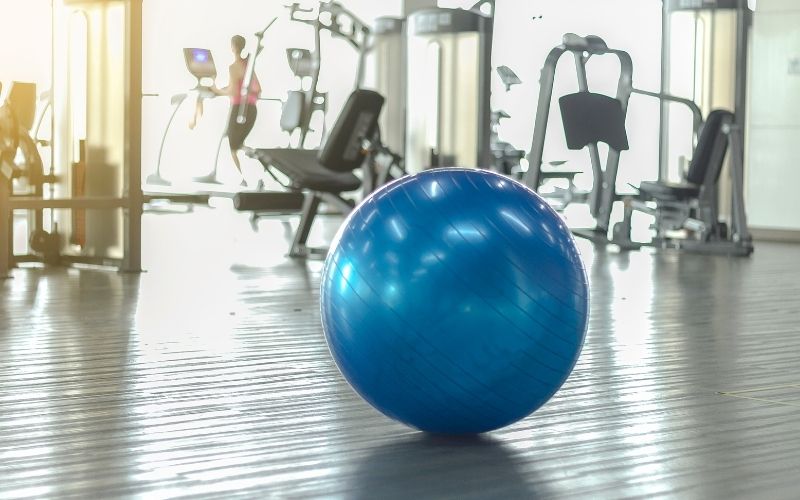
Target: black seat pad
<point x="305" y="172"/>
<point x="669" y="190"/>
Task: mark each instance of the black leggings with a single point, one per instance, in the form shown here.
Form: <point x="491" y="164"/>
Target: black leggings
<point x="237" y="132"/>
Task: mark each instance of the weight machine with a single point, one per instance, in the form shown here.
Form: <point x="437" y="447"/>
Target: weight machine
<point x="95" y="176"/>
<point x="603" y="121"/>
<point x="306" y="64"/>
<point x="689" y="205"/>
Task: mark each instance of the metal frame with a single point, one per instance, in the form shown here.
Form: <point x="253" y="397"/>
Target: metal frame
<point x="743" y="23"/>
<point x="390" y="33"/>
<point x="27" y="143"/>
<point x="603" y="194"/>
<point x="249" y="73"/>
<point x="311" y="205"/>
<point x="486" y="154"/>
<point x="6" y="222"/>
<point x="697" y="113"/>
<point x="699" y="215"/>
<point x="435" y="21"/>
<point x="358" y="36"/>
<point x="374" y="174"/>
<point x="132" y="244"/>
<point x="131" y="202"/>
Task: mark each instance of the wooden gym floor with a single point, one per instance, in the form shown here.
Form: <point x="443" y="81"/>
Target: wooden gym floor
<point x="208" y="375"/>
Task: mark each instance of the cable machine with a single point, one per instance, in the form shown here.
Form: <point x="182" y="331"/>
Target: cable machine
<point x="339" y="22"/>
<point x="448" y="115"/>
<point x="603" y="115"/>
<point x="689" y="205"/>
<point x="703" y="59"/>
<point x="96" y="200"/>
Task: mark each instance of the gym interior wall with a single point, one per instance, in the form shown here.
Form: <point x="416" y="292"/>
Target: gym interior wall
<point x="28" y="30"/>
<point x="773" y="123"/>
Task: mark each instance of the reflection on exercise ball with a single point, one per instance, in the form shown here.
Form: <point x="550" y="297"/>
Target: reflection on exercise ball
<point x="430" y="466"/>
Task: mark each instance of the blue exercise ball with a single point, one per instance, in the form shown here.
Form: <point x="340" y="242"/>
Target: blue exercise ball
<point x="454" y="301"/>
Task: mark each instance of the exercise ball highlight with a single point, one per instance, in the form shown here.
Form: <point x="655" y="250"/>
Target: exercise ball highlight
<point x="454" y="301"/>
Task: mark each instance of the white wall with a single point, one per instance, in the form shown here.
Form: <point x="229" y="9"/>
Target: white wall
<point x="25" y="38"/>
<point x="773" y="176"/>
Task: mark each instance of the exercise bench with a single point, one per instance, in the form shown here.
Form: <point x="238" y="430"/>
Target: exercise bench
<point x="324" y="175"/>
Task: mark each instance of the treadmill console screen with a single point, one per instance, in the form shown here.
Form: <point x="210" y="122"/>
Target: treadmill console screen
<point x="200" y="63"/>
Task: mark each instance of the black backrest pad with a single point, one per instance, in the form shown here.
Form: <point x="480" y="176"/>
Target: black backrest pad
<point x="343" y="151"/>
<point x="711" y="147"/>
<point x="590" y="118"/>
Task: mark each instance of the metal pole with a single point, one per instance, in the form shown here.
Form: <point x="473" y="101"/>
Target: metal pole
<point x="546" y="81"/>
<point x="132" y="214"/>
<point x="738" y="212"/>
<point x="663" y="136"/>
<point x="485" y="95"/>
<point x="5" y="224"/>
<point x="596" y="195"/>
<point x="311" y="95"/>
<point x="362" y="60"/>
<point x="697" y="114"/>
<point x="156" y="178"/>
<point x="609" y="191"/>
<point x="743" y="24"/>
<point x="710" y="86"/>
<point x="244" y="92"/>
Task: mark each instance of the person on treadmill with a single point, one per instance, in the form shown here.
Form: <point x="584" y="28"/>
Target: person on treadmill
<point x="237" y="132"/>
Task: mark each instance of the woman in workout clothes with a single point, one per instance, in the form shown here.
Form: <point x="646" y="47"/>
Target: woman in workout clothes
<point x="237" y="132"/>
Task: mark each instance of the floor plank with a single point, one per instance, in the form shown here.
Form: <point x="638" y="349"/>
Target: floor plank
<point x="208" y="375"/>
